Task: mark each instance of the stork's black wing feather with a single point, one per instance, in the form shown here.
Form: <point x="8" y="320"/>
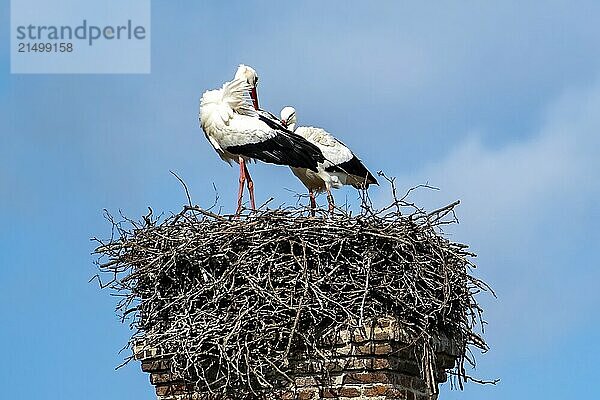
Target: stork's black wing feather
<point x="354" y="167"/>
<point x="285" y="148"/>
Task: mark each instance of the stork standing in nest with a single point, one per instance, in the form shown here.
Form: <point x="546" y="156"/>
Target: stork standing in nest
<point x="240" y="134"/>
<point x="341" y="166"/>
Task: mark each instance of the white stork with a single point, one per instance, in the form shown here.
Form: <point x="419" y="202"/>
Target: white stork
<point x="239" y="133"/>
<point x="341" y="166"/>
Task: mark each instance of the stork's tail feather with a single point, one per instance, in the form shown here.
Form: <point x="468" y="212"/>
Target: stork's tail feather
<point x="365" y="181"/>
<point x="361" y="178"/>
<point x="370" y="180"/>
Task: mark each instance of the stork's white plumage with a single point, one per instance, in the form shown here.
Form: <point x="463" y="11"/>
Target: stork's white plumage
<point x="239" y="133"/>
<point x="341" y="166"/>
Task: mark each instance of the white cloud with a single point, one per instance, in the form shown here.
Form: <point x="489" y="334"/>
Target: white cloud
<point x="529" y="209"/>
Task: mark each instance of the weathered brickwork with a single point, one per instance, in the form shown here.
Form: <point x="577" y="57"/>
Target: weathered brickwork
<point x="373" y="364"/>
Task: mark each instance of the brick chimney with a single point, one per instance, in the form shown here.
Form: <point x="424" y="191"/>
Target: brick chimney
<point x="376" y="362"/>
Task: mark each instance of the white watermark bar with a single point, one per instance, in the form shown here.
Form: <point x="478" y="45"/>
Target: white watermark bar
<point x="79" y="37"/>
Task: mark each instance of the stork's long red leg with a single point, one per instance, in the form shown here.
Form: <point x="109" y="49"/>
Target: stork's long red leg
<point x="313" y="202"/>
<point x="250" y="184"/>
<point x="330" y="201"/>
<point x="241" y="189"/>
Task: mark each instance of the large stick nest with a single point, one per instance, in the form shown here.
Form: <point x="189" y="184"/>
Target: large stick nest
<point x="233" y="300"/>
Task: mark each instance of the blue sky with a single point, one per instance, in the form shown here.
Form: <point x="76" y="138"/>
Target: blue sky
<point x="495" y="105"/>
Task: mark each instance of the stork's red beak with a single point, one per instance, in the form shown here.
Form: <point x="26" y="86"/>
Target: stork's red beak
<point x="254" y="97"/>
<point x="284" y="123"/>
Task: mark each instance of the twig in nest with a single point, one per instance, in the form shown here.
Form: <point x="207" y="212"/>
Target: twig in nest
<point x="187" y="192"/>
